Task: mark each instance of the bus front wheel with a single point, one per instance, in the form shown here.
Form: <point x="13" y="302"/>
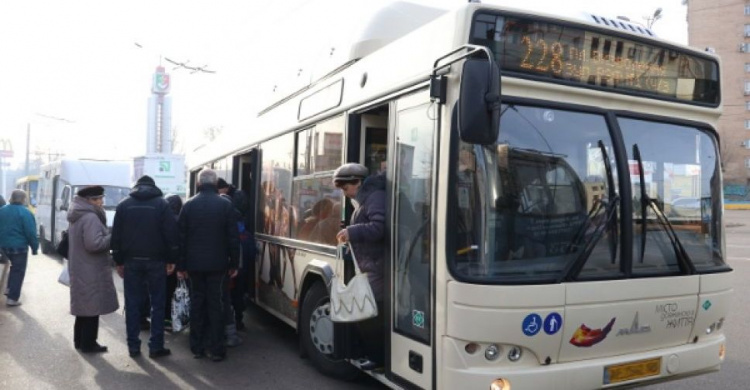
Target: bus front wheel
<point x="316" y="334"/>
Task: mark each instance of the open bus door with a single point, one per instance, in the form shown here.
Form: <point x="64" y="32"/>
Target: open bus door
<point x="245" y="169"/>
<point x="412" y="184"/>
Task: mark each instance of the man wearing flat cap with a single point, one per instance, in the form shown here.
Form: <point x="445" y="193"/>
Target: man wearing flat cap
<point x="145" y="246"/>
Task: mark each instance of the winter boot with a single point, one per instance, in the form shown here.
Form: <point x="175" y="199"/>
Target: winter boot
<point x="232" y="339"/>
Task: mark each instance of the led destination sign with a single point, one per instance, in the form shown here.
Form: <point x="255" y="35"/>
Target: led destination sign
<point x="591" y="58"/>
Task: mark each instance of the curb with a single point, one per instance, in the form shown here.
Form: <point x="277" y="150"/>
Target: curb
<point x="736" y="206"/>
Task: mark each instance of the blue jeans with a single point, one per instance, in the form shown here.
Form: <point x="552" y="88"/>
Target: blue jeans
<point x="17" y="272"/>
<point x="153" y="273"/>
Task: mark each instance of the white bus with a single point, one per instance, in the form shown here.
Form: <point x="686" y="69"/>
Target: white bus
<point x="532" y="163"/>
<point x="58" y="183"/>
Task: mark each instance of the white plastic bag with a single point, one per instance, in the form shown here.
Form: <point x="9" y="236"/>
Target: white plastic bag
<point x="64" y="277"/>
<point x="180" y="307"/>
<point x="354" y="301"/>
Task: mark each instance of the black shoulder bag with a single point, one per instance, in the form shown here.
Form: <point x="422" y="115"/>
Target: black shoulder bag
<point x="62" y="246"/>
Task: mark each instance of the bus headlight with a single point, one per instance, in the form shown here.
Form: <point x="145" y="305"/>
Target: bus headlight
<point x="492" y="352"/>
<point x="500" y="384"/>
<point x="514" y="354"/>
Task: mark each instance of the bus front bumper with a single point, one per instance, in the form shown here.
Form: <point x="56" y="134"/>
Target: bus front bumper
<point x="676" y="362"/>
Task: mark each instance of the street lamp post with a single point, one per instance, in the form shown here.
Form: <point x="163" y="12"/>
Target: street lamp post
<point x="6" y="150"/>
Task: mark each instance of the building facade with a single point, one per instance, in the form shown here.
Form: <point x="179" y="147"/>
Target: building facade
<point x="723" y="26"/>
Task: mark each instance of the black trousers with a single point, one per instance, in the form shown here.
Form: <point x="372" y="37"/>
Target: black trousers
<point x="171" y="286"/>
<point x="372" y="336"/>
<point x="85" y="332"/>
<point x="206" y="311"/>
<point x="237" y="294"/>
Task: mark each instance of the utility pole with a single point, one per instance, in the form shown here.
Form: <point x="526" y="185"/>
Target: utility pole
<point x="28" y="141"/>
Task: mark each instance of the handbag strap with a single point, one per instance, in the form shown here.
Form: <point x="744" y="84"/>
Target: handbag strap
<point x="357" y="271"/>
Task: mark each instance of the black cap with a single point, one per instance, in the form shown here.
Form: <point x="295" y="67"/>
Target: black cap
<point x="221" y="183"/>
<point x="91" y="192"/>
<point x="349" y="172"/>
<point x="146" y="179"/>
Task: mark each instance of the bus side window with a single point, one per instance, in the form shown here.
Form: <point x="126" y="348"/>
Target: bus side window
<point x="65" y="198"/>
<point x="466" y="187"/>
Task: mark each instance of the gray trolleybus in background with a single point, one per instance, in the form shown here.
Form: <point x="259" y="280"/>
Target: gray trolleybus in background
<point x="532" y="164"/>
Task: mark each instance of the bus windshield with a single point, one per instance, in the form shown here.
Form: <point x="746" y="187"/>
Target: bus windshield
<point x="543" y="203"/>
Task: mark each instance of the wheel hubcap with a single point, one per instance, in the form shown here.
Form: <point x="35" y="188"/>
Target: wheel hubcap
<point x="321" y="329"/>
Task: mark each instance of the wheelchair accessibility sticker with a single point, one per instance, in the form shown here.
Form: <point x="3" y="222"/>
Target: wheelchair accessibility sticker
<point x="532" y="324"/>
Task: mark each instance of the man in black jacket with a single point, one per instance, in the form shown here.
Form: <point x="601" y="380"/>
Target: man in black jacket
<point x="145" y="247"/>
<point x="209" y="254"/>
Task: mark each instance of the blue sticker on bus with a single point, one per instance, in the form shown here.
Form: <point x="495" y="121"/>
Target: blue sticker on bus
<point x="552" y="323"/>
<point x="532" y="324"/>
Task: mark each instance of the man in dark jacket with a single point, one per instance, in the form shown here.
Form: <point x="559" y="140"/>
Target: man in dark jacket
<point x="239" y="285"/>
<point x="366" y="235"/>
<point x="145" y="247"/>
<point x="209" y="254"/>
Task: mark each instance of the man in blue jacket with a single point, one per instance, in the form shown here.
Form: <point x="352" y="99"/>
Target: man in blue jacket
<point x="209" y="255"/>
<point x="145" y="246"/>
<point x="17" y="234"/>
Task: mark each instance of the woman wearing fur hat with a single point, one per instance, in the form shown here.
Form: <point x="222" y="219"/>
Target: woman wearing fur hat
<point x="366" y="235"/>
<point x="92" y="290"/>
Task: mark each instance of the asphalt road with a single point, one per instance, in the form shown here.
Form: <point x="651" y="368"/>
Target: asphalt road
<point x="36" y="350"/>
<point x="735" y="372"/>
<point x="36" y="347"/>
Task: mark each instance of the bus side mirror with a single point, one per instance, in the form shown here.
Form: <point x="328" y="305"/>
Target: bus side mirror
<point x="61" y="205"/>
<point x="479" y="102"/>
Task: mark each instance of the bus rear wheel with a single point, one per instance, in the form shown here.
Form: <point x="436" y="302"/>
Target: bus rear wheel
<point x="316" y="334"/>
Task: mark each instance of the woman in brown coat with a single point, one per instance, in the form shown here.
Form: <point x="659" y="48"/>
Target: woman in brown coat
<point x="92" y="290"/>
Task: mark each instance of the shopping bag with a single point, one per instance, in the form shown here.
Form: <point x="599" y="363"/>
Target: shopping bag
<point x="353" y="301"/>
<point x="180" y="307"/>
<point x="64" y="277"/>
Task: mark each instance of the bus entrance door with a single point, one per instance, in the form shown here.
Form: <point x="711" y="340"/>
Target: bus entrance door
<point x="412" y="188"/>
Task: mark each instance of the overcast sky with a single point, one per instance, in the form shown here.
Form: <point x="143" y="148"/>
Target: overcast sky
<point x="73" y="72"/>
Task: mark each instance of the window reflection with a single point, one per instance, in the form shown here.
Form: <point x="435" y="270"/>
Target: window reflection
<point x="683" y="180"/>
<point x="314" y="200"/>
<point x="527" y="207"/>
<point x="276" y="215"/>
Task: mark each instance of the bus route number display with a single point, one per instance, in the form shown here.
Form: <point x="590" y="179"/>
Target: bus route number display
<point x="591" y="58"/>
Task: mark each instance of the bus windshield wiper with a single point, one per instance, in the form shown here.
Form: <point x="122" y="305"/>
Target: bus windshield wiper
<point x="610" y="204"/>
<point x="683" y="259"/>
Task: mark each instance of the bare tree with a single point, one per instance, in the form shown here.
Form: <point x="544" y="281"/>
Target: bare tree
<point x="651" y="19"/>
<point x="212" y="133"/>
<point x="727" y="154"/>
<point x="176" y="144"/>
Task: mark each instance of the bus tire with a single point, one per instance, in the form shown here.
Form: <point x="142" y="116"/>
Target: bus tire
<point x="43" y="243"/>
<point x="315" y="337"/>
